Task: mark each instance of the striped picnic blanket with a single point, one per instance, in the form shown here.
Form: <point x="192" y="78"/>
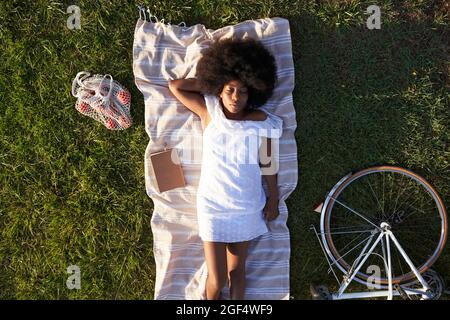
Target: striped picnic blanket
<point x="162" y="52"/>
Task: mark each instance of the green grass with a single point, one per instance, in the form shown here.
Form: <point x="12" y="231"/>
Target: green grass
<point x="72" y="192"/>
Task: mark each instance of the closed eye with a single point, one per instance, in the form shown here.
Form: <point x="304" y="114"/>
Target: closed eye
<point x="241" y="91"/>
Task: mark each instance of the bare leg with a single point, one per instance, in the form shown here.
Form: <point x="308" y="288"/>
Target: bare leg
<point x="216" y="262"/>
<point x="236" y="257"/>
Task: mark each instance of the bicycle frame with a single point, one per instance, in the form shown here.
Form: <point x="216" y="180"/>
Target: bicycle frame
<point x="388" y="236"/>
<point x="382" y="234"/>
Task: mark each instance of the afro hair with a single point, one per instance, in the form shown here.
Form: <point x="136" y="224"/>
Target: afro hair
<point x="246" y="60"/>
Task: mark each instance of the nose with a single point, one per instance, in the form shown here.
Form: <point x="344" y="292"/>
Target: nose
<point x="235" y="98"/>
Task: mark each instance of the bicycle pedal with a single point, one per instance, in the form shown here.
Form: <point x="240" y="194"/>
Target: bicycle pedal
<point x="319" y="292"/>
<point x="402" y="292"/>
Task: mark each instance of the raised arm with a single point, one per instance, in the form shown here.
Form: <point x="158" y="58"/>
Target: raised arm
<point x="187" y="91"/>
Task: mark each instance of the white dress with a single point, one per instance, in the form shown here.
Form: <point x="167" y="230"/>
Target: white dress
<point x="230" y="195"/>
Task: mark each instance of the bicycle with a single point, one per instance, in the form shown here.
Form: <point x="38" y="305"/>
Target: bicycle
<point x="399" y="221"/>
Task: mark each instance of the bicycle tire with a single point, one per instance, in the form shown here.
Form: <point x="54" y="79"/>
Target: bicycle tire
<point x="327" y="213"/>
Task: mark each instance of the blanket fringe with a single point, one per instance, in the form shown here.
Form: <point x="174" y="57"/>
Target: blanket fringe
<point x="146" y="15"/>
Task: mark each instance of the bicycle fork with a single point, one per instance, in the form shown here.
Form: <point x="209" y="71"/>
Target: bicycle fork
<point x="387" y="235"/>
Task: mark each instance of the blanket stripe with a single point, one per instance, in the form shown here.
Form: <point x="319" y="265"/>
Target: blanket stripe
<point x="162" y="52"/>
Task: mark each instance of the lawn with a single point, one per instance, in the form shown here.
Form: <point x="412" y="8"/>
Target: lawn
<point x="73" y="193"/>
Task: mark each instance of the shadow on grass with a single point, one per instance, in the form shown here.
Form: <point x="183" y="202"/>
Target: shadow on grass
<point x="363" y="97"/>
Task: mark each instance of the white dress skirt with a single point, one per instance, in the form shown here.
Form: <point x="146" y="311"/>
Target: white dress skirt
<point x="230" y="195"/>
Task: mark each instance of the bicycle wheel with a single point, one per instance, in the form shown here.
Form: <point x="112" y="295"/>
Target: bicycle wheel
<point x="359" y="203"/>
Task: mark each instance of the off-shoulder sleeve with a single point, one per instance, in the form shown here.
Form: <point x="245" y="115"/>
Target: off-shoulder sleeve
<point x="272" y="127"/>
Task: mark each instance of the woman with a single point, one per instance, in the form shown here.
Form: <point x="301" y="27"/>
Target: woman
<point x="234" y="78"/>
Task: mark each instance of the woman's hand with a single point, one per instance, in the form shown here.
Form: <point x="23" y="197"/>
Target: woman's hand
<point x="270" y="211"/>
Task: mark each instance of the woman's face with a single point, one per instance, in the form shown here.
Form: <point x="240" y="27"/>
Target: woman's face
<point x="234" y="97"/>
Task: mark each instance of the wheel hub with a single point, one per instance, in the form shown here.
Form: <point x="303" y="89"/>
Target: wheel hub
<point x="385" y="226"/>
<point x="396" y="217"/>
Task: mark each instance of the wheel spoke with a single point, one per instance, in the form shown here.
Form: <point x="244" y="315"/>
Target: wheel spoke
<point x="361" y="196"/>
<point x="373" y="192"/>
<point x="358" y="214"/>
<point x="348" y="232"/>
<point x="409" y="196"/>
<point x="400" y="194"/>
<point x="417" y="209"/>
<point x="348" y="244"/>
<point x="349" y="227"/>
<point x="342" y="256"/>
<point x="398" y="259"/>
<point x="384" y="176"/>
<point x="404" y="199"/>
